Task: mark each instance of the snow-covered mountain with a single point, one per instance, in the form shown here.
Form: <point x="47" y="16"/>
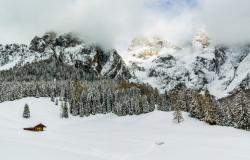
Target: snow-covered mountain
<point x="70" y="50"/>
<point x="199" y="65"/>
<point x="154" y="60"/>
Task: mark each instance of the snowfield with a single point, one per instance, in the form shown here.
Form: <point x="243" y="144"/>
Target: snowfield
<point x="151" y="136"/>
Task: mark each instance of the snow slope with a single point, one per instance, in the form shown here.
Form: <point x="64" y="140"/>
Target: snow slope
<point x="151" y="136"/>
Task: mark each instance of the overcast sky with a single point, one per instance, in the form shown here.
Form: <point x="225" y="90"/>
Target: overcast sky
<point x="117" y="21"/>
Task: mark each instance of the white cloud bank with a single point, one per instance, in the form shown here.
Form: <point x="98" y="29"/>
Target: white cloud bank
<point x="227" y="21"/>
<point x="112" y="21"/>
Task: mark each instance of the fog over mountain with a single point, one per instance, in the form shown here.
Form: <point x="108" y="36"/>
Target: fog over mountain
<point x="116" y="22"/>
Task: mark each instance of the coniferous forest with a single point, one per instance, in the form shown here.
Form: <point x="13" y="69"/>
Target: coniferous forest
<point x="100" y="96"/>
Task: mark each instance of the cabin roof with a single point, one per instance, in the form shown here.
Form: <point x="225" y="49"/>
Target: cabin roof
<point x="40" y="125"/>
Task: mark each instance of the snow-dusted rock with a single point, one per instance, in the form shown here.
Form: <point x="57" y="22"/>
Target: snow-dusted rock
<point x="200" y="40"/>
<point x="115" y="67"/>
<point x="220" y="69"/>
<point x="69" y="50"/>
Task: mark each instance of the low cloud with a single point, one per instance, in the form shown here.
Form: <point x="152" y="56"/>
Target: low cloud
<point x="94" y="20"/>
<point x="113" y="22"/>
<point x="227" y="21"/>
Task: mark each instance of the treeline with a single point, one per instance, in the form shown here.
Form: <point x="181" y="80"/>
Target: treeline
<point x="122" y="98"/>
<point x="90" y="97"/>
<point x="231" y="111"/>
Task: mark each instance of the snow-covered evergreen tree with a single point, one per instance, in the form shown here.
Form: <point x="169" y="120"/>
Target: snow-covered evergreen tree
<point x="26" y="111"/>
<point x="178" y="115"/>
<point x="240" y="111"/>
<point x="104" y="102"/>
<point x="118" y="109"/>
<point x="61" y="98"/>
<point x="56" y="101"/>
<point x="145" y="104"/>
<point x="87" y="109"/>
<point x="74" y="107"/>
<point x="37" y="94"/>
<point x="109" y="101"/>
<point x="52" y="98"/>
<point x="196" y="110"/>
<point x="82" y="104"/>
<point x="97" y="102"/>
<point x="64" y="110"/>
<point x="226" y="117"/>
<point x="210" y="112"/>
<point x="81" y="109"/>
<point x="137" y="106"/>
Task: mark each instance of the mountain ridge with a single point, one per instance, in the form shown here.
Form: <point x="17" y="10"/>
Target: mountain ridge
<point x="67" y="49"/>
<point x="154" y="60"/>
<point x="201" y="66"/>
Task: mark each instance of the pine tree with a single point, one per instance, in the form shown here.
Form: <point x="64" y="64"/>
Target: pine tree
<point x="210" y="112"/>
<point x="130" y="106"/>
<point x="64" y="110"/>
<point x="178" y="115"/>
<point x="82" y="104"/>
<point x="124" y="110"/>
<point x="87" y="109"/>
<point x="165" y="103"/>
<point x="137" y="105"/>
<point x="52" y="98"/>
<point x="226" y="117"/>
<point x="118" y="109"/>
<point x="26" y="111"/>
<point x="56" y="101"/>
<point x="81" y="110"/>
<point x="152" y="102"/>
<point x="52" y="95"/>
<point x="195" y="106"/>
<point x="74" y="107"/>
<point x="37" y="93"/>
<point x="240" y="112"/>
<point x="61" y="98"/>
<point x="90" y="102"/>
<point x="97" y="102"/>
<point x="109" y="101"/>
<point x="104" y="103"/>
<point x="145" y="104"/>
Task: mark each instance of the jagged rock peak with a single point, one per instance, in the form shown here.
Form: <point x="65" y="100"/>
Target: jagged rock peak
<point x="115" y="67"/>
<point x="154" y="42"/>
<point x="52" y="39"/>
<point x="200" y="40"/>
<point x="218" y="68"/>
<point x="66" y="49"/>
<point x="147" y="47"/>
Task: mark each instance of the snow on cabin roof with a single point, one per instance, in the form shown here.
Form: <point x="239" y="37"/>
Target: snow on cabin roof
<point x="40" y="125"/>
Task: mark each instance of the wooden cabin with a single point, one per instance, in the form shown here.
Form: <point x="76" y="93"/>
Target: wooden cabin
<point x="38" y="128"/>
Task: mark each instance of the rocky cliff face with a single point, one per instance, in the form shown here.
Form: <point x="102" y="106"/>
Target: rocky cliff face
<point x="220" y="69"/>
<point x="69" y="49"/>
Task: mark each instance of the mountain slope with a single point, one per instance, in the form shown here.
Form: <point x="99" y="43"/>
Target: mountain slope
<point x="67" y="49"/>
<point x="199" y="66"/>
